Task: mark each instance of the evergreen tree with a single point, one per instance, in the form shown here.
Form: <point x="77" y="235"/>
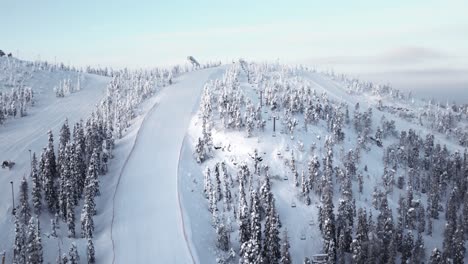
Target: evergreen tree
<point x="459" y="249"/>
<point x="24" y="211"/>
<point x="250" y="252"/>
<point x="222" y="237"/>
<point x="19" y="248"/>
<point x="90" y="252"/>
<point x="53" y="227"/>
<point x="36" y="192"/>
<point x="285" y="255"/>
<point x="70" y="217"/>
<point x="271" y="245"/>
<point x="359" y="244"/>
<point x="34" y="244"/>
<point x="51" y="155"/>
<point x="73" y="254"/>
<point x="64" y="138"/>
<point x="255" y="221"/>
<point x="87" y="222"/>
<point x="48" y="174"/>
<point x="436" y="257"/>
<point x="407" y="247"/>
<point x="418" y="254"/>
<point x="244" y="218"/>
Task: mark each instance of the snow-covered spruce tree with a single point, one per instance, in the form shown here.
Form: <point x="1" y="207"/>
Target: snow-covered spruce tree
<point x="51" y="155"/>
<point x="359" y="244"/>
<point x="92" y="181"/>
<point x="90" y="252"/>
<point x="70" y="216"/>
<point x="418" y="254"/>
<point x="436" y="257"/>
<point x="36" y="192"/>
<point x="66" y="192"/>
<point x="219" y="193"/>
<point x="74" y="257"/>
<point x="89" y="207"/>
<point x="255" y="221"/>
<point x="222" y="233"/>
<point x="64" y="138"/>
<point x="226" y="189"/>
<point x="19" y="247"/>
<point x="344" y="225"/>
<point x="285" y="255"/>
<point x="24" y="211"/>
<point x="200" y="154"/>
<point x="214" y="208"/>
<point x="250" y="252"/>
<point x="207" y="185"/>
<point x="271" y="244"/>
<point x="34" y="243"/>
<point x="53" y="227"/>
<point x="49" y="175"/>
<point x="244" y="218"/>
<point x="459" y="249"/>
<point x="407" y="247"/>
<point x="87" y="222"/>
<point x="78" y="169"/>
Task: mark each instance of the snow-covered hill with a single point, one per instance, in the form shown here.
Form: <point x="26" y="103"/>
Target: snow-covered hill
<point x="18" y="135"/>
<point x="243" y="163"/>
<point x="346" y="156"/>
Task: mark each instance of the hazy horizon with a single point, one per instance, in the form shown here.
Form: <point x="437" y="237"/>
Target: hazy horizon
<point x="408" y="44"/>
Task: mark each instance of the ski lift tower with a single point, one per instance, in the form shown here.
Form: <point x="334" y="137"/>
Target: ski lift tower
<point x="194" y="62"/>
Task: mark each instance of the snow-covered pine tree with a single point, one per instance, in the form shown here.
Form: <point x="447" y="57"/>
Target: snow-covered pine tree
<point x="36" y="192"/>
<point x="271" y="244"/>
<point x="24" y="211"/>
<point x="436" y="257"/>
<point x="255" y="221"/>
<point x="219" y="193"/>
<point x="34" y="243"/>
<point x="359" y="244"/>
<point x="244" y="218"/>
<point x="70" y="217"/>
<point x="285" y="255"/>
<point x="200" y="154"/>
<point x="48" y="175"/>
<point x="53" y="227"/>
<point x="459" y="249"/>
<point x="66" y="181"/>
<point x="74" y="257"/>
<point x="90" y="252"/>
<point x="222" y="241"/>
<point x="64" y="138"/>
<point x="19" y="247"/>
<point x="87" y="222"/>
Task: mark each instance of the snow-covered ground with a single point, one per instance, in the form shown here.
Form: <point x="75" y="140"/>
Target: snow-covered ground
<point x="152" y="208"/>
<point x="234" y="148"/>
<point x="19" y="135"/>
<point x="147" y="224"/>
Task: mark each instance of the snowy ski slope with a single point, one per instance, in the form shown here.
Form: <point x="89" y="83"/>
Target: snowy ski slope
<point x="19" y="135"/>
<point x="147" y="226"/>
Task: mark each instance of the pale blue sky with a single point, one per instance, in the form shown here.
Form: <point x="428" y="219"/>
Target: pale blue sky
<point x="159" y="32"/>
<point x="353" y="36"/>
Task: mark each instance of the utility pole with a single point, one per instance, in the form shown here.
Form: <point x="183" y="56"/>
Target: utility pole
<point x="274" y="126"/>
<point x="261" y="99"/>
<point x="13" y="197"/>
<point x="30" y="160"/>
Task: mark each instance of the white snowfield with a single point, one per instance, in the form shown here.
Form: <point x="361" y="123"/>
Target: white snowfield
<point x="19" y="135"/>
<point x="147" y="222"/>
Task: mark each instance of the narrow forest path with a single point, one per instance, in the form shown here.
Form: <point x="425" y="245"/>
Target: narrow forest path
<point x="147" y="225"/>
